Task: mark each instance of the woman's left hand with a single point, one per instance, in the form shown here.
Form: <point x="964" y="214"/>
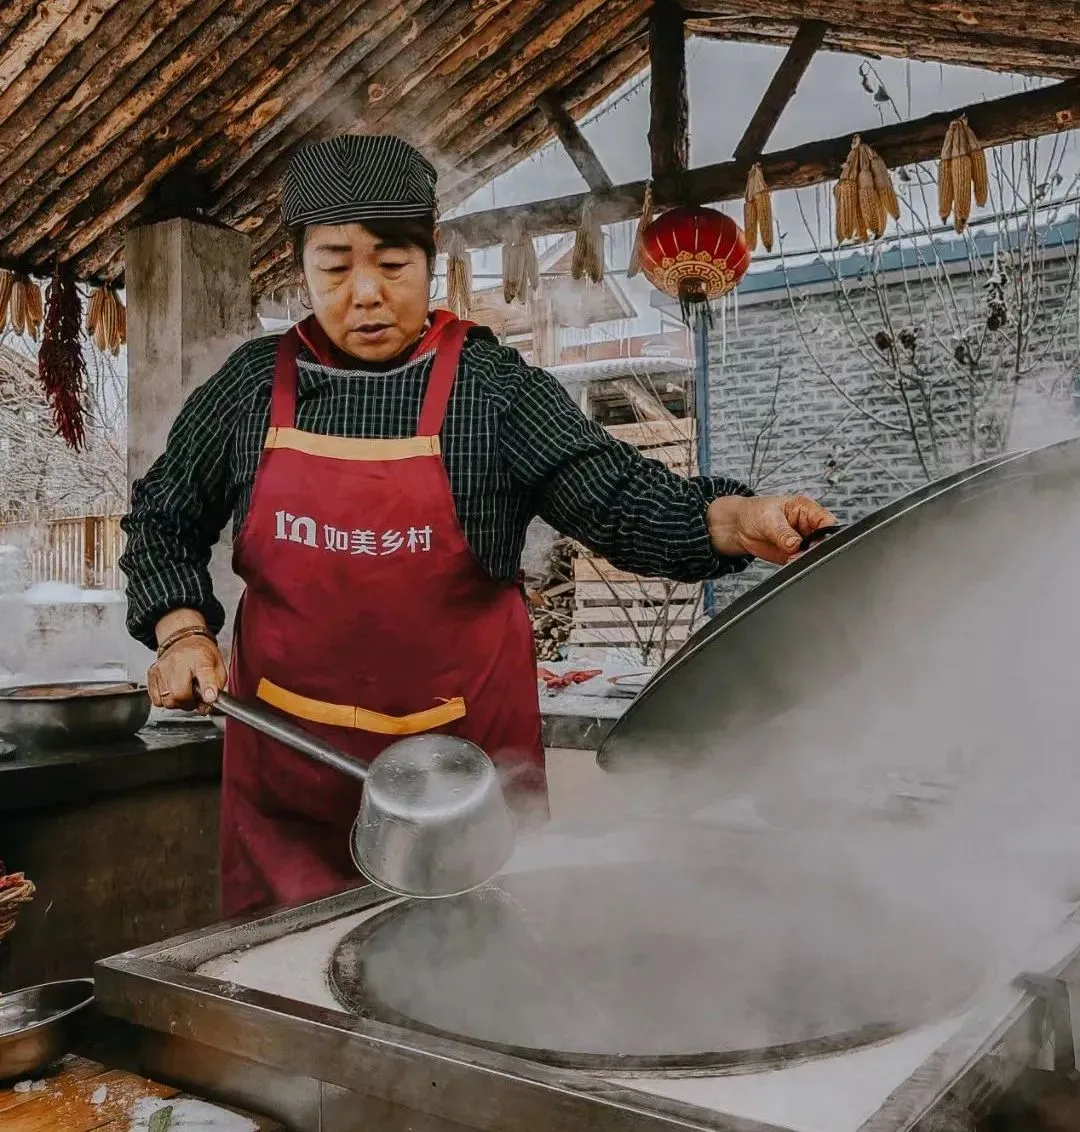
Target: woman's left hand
<point x="771" y="527"/>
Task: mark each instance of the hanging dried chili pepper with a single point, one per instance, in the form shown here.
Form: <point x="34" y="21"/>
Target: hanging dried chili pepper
<point x="61" y="364"/>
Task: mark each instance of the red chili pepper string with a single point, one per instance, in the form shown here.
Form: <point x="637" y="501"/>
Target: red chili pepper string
<point x="61" y="363"/>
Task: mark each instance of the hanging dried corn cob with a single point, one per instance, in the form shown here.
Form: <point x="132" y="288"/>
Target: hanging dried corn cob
<point x="25" y="306"/>
<point x="588" y="258"/>
<point x="521" y="271"/>
<point x="106" y="320"/>
<point x="961" y="174"/>
<point x="757" y="212"/>
<point x="646" y="218"/>
<point x="61" y="363"/>
<point x="7" y="282"/>
<point x="865" y="197"/>
<point x="458" y="276"/>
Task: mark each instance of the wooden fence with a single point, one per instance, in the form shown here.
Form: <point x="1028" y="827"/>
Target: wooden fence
<point x="81" y="552"/>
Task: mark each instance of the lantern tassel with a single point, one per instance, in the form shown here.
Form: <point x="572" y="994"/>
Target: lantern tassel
<point x="61" y="364"/>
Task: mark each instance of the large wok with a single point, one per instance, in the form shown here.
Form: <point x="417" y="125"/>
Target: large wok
<point x="772" y="647"/>
<point x="70" y="713"/>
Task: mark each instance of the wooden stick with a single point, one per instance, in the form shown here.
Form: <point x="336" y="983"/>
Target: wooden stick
<point x="260" y="169"/>
<point x="808" y="39"/>
<point x="27" y="161"/>
<point x="1029" y="114"/>
<point x="12" y="13"/>
<point x="65" y="171"/>
<point x="89" y="205"/>
<point x="244" y="195"/>
<point x="533" y="131"/>
<point x="669" y="122"/>
<point x="581" y="47"/>
<point x="1053" y="58"/>
<point x="27" y="40"/>
<point x="575" y="143"/>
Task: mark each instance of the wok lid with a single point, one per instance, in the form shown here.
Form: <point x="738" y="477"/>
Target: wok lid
<point x="939" y="632"/>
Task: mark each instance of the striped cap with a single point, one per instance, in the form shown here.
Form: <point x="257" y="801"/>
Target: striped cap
<point x="357" y="177"/>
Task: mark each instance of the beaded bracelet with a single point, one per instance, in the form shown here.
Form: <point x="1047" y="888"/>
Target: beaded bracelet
<point x="183" y="634"/>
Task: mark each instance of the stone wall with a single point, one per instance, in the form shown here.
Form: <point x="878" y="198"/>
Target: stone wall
<point x="857" y="392"/>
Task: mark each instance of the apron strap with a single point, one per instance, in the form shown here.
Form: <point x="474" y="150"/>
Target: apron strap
<point x="283" y="391"/>
<point x="441" y="381"/>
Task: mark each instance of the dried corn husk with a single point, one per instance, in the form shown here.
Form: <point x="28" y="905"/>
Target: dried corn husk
<point x="106" y="320"/>
<point x="24" y="308"/>
<point x="962" y="174"/>
<point x="521" y="271"/>
<point x="588" y="258"/>
<point x="7" y="282"/>
<point x="865" y="197"/>
<point x="757" y="212"/>
<point x="646" y="218"/>
<point x="458" y="276"/>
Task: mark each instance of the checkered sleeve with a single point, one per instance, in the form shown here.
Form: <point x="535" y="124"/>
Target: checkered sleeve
<point x="179" y="508"/>
<point x="633" y="511"/>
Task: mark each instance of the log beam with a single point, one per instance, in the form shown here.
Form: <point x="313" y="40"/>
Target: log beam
<point x="808" y="40"/>
<point x="575" y="143"/>
<point x="669" y="123"/>
<point x="1030" y="114"/>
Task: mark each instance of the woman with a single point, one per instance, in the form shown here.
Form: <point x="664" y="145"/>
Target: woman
<point x="380" y="464"/>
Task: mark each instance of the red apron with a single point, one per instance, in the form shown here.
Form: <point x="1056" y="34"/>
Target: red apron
<point x="366" y="618"/>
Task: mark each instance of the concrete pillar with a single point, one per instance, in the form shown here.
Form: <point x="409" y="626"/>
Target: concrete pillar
<point x="188" y="307"/>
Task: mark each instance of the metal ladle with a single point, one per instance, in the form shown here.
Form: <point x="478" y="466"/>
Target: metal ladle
<point x="433" y="821"/>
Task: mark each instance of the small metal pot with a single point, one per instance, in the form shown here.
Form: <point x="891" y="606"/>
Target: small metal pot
<point x="433" y="819"/>
<point x="50" y="715"/>
<point x="37" y="1025"/>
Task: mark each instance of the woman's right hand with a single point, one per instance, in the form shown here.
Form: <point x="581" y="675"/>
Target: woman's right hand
<point x="188" y="675"/>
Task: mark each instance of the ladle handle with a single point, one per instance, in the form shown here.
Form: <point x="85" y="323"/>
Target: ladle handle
<point x="284" y="732"/>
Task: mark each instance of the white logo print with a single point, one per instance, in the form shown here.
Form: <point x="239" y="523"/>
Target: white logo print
<point x="337" y="540"/>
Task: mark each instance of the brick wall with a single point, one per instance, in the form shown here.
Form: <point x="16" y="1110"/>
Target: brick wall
<point x="858" y="392"/>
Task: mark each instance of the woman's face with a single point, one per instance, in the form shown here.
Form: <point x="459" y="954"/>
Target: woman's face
<point x="369" y="297"/>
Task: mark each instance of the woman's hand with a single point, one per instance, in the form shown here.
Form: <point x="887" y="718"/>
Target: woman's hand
<point x="771" y="527"/>
<point x="190" y="672"/>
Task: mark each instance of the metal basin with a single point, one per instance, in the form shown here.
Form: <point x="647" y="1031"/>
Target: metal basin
<point x="50" y="715"/>
<point x="37" y="1025"/>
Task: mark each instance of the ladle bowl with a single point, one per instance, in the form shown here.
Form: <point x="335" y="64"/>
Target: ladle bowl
<point x="433" y="821"/>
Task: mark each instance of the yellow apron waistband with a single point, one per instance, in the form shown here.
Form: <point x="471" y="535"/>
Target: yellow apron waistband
<point x="358" y="718"/>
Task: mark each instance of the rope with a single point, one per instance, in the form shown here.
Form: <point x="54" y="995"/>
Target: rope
<point x="15" y="891"/>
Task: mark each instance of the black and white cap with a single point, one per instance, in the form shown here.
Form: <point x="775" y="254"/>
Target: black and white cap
<point x="357" y="177"/>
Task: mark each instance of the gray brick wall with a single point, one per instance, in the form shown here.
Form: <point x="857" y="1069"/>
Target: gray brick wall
<point x="857" y="393"/>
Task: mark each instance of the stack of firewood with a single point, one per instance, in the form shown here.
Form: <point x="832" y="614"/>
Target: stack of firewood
<point x="551" y="604"/>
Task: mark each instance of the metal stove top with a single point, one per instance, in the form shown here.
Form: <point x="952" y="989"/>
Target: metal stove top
<point x="321" y="1069"/>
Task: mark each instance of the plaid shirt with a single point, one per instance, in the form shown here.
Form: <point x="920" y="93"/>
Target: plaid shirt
<point x="515" y="446"/>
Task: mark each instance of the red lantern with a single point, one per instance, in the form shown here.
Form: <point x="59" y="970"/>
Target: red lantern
<point x="694" y="255"/>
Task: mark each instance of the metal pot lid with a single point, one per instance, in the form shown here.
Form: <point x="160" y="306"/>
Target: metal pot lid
<point x="808" y="637"/>
<point x="645" y="968"/>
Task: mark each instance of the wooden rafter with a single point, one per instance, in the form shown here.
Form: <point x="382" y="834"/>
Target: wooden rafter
<point x="808" y="39"/>
<point x="1030" y="114"/>
<point x="575" y="143"/>
<point x="669" y="122"/>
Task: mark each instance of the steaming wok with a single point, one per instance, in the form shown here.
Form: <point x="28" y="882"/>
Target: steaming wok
<point x="638" y="967"/>
<point x="51" y="715"/>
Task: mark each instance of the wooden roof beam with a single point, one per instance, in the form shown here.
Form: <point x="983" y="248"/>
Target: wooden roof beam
<point x="1029" y="114"/>
<point x="669" y="123"/>
<point x="575" y="143"/>
<point x="806" y="44"/>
